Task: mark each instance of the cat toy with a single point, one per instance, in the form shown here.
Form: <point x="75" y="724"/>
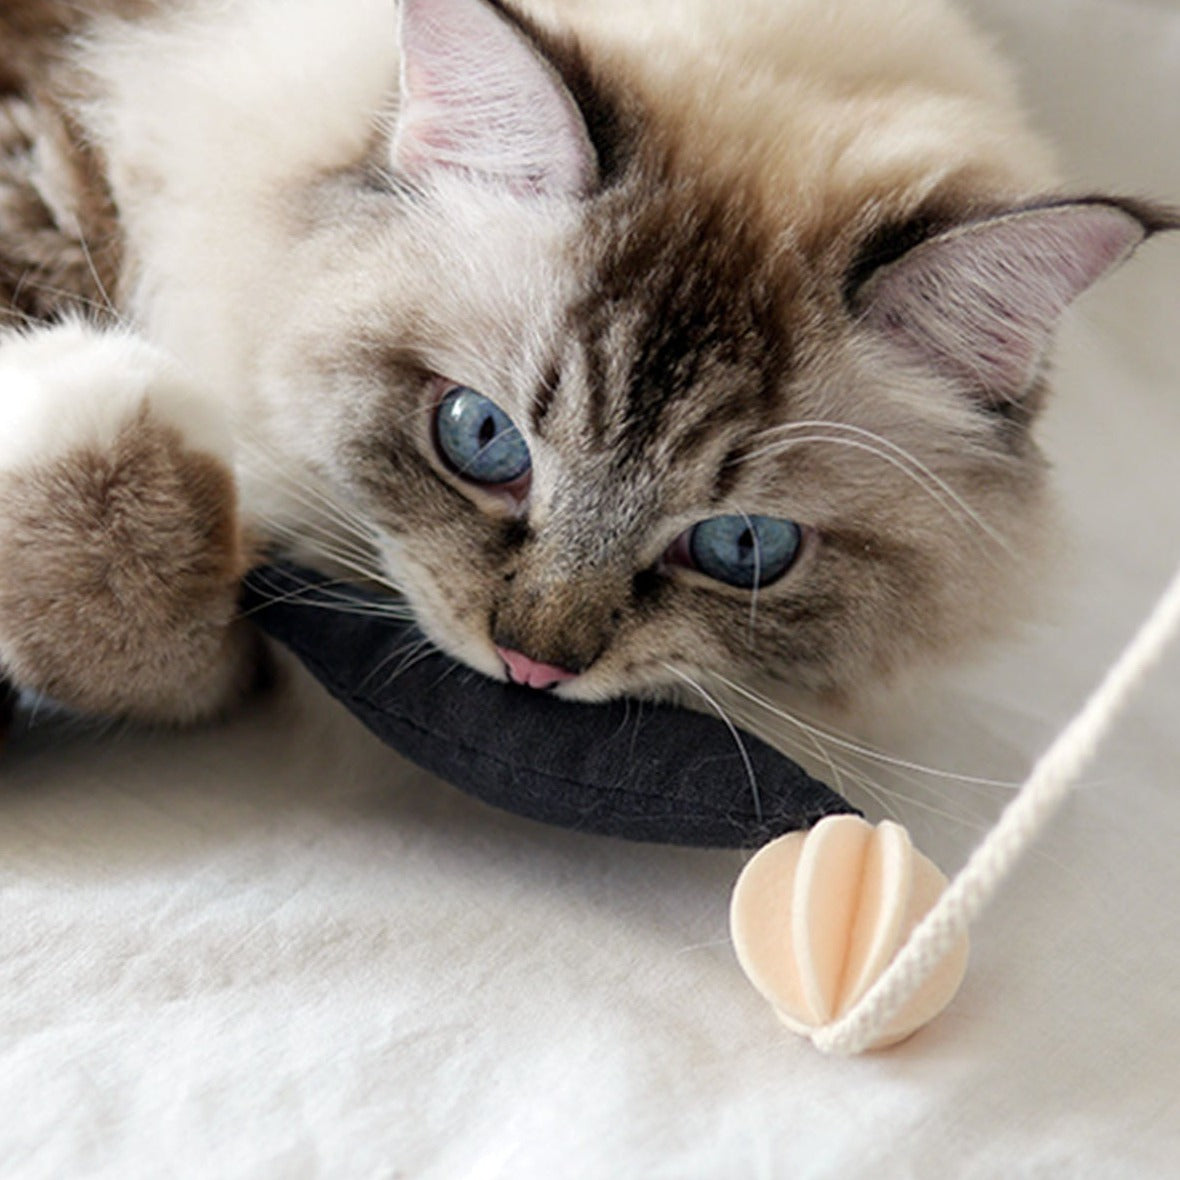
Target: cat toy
<point x="854" y="937"/>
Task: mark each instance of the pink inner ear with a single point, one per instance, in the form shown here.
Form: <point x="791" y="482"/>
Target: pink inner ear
<point x="980" y="304"/>
<point x="478" y="99"/>
<point x="429" y="138"/>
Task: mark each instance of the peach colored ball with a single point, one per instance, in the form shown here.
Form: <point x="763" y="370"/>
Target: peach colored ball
<point x="817" y="916"/>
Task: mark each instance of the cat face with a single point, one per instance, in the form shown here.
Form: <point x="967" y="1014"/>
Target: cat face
<point x="621" y="418"/>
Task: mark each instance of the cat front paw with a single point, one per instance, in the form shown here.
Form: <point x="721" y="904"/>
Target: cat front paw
<point x="121" y="543"/>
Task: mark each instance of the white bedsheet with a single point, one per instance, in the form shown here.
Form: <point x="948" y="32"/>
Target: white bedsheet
<point x="272" y="950"/>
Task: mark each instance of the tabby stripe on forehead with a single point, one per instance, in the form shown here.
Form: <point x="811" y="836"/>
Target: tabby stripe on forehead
<point x="676" y="337"/>
<point x="597" y="397"/>
<point x="545" y="395"/>
<point x="694" y="436"/>
<point x="728" y="474"/>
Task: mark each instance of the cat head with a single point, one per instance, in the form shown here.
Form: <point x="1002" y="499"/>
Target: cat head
<point x="635" y="393"/>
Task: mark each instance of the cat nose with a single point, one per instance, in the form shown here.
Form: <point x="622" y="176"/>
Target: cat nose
<point x="532" y="673"/>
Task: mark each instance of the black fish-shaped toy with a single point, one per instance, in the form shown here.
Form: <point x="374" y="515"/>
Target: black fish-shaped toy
<point x="638" y="770"/>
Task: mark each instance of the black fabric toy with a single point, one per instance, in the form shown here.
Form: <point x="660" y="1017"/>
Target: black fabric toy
<point x="633" y="769"/>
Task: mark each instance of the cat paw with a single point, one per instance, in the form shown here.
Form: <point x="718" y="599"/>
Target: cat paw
<point x="121" y="544"/>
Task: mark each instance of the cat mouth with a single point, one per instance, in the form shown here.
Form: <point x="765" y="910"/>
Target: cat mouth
<point x="528" y="672"/>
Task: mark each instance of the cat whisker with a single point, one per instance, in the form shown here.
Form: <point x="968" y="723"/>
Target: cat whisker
<point x="322" y="594"/>
<point x="344" y="537"/>
<point x="279" y="465"/>
<point x="412" y="652"/>
<point x="307" y="595"/>
<point x="314" y="515"/>
<point x="848" y="780"/>
<point x="942" y="495"/>
<point x="838" y="769"/>
<point x="843" y="742"/>
<point x="750" y="636"/>
<point x="882" y="794"/>
<point x="324" y="543"/>
<point x="110" y="307"/>
<point x="873" y="788"/>
<point x="897" y="456"/>
<point x="842" y="772"/>
<point x="310" y="494"/>
<point x="328" y="545"/>
<point x="361" y="569"/>
<point x="21" y="317"/>
<point x="453" y="666"/>
<point x="324" y="535"/>
<point x="39" y="700"/>
<point x="733" y="729"/>
<point x="873" y="791"/>
<point x="72" y="299"/>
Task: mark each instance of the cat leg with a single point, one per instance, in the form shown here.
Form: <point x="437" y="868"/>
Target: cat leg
<point x="121" y="545"/>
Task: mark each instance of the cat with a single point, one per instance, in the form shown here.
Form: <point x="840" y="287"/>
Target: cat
<point x="642" y="347"/>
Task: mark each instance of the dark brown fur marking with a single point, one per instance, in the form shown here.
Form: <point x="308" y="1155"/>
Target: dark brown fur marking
<point x="48" y="266"/>
<point x="685" y="266"/>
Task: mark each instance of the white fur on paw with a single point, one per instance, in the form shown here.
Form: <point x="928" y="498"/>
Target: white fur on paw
<point x="74" y="386"/>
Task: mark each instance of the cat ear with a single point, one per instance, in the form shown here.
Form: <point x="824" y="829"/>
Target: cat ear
<point x="478" y="98"/>
<point x="979" y="303"/>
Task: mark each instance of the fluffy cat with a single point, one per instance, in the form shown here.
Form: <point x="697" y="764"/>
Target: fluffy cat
<point x="636" y="344"/>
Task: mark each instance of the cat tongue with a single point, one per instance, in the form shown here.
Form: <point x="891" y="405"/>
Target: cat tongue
<point x="638" y="770"/>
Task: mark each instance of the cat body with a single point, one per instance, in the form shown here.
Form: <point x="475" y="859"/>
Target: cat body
<point x="785" y="261"/>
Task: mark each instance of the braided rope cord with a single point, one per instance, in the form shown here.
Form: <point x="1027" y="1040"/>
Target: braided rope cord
<point x="1021" y="822"/>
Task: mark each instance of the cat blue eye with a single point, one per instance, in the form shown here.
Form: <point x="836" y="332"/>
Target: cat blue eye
<point x="478" y="440"/>
<point x="744" y="551"/>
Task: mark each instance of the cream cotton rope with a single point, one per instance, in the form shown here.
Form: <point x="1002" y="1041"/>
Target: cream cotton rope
<point x="942" y="931"/>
